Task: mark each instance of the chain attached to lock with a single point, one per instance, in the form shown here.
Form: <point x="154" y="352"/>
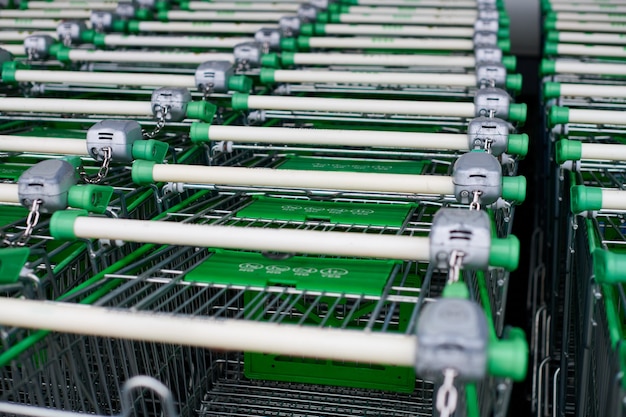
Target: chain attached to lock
<point x="102" y="172"/>
<point x="31" y="221"/>
<point x="159" y="125"/>
<point x="447" y="395"/>
<point x="455" y="263"/>
<point x="475" y="204"/>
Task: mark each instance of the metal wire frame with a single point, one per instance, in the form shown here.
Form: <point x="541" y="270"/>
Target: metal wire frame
<point x="155" y="282"/>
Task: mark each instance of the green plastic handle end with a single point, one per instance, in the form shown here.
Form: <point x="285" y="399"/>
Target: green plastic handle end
<point x="518" y="112"/>
<point x="509" y="62"/>
<point x="558" y="115"/>
<point x="584" y="198"/>
<point x="547" y="67"/>
<point x="267" y="76"/>
<point x="288" y="59"/>
<point x="551" y="48"/>
<point x="552" y="36"/>
<point x="508" y="358"/>
<point x="550" y="23"/>
<point x="117" y="26"/>
<point x="150" y="150"/>
<point x="505" y="45"/>
<point x="184" y="5"/>
<point x="551" y="90"/>
<point x="518" y="144"/>
<point x="456" y="289"/>
<point x="141" y="172"/>
<point x="240" y="101"/>
<point x="320" y="28"/>
<point x="199" y="132"/>
<point x="8" y="71"/>
<point x="133" y="26"/>
<point x="62" y="223"/>
<point x="270" y="61"/>
<point x="90" y="197"/>
<point x="505" y="253"/>
<point x="288" y="44"/>
<point x="568" y="150"/>
<point x="324" y="17"/>
<point x="504" y="20"/>
<point x="99" y="39"/>
<point x="307" y="29"/>
<point x="201" y="110"/>
<point x="514" y="188"/>
<point x="163" y="15"/>
<point x="240" y="83"/>
<point x="143" y="14"/>
<point x="504" y="33"/>
<point x="304" y="43"/>
<point x="609" y="267"/>
<point x="513" y="83"/>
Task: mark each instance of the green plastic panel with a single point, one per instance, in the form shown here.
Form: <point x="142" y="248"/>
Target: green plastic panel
<point x="389" y="215"/>
<point x="380" y="166"/>
<point x="301" y="272"/>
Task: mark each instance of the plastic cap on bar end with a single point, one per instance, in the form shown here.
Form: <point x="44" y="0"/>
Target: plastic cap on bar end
<point x="267" y="76"/>
<point x="550" y="23"/>
<point x="508" y="358"/>
<point x="551" y="48"/>
<point x="514" y="188"/>
<point x="240" y="83"/>
<point x="141" y="172"/>
<point x="584" y="198"/>
<point x="240" y="101"/>
<point x="62" y="223"/>
<point x="547" y="67"/>
<point x="288" y="59"/>
<point x="270" y="61"/>
<point x="505" y="45"/>
<point x="514" y="83"/>
<point x="90" y="197"/>
<point x="568" y="150"/>
<point x="552" y="36"/>
<point x="518" y="144"/>
<point x="288" y="44"/>
<point x="509" y="62"/>
<point x="150" y="150"/>
<point x="505" y="253"/>
<point x="199" y="132"/>
<point x="609" y="267"/>
<point x="551" y="90"/>
<point x="202" y="110"/>
<point x="558" y="115"/>
<point x="307" y="29"/>
<point x="517" y="112"/>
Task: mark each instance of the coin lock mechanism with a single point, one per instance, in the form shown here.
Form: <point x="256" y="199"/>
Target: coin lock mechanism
<point x="248" y="55"/>
<point x="460" y="231"/>
<point x="71" y="32"/>
<point x="493" y="102"/>
<point x="487" y="54"/>
<point x="290" y="25"/>
<point x="492" y="74"/>
<point x="37" y="47"/>
<point x="113" y="139"/>
<point x="218" y="77"/>
<point x="307" y="12"/>
<point x="103" y="20"/>
<point x="477" y="178"/>
<point x="452" y="334"/>
<point x="269" y="38"/>
<point x="488" y="133"/>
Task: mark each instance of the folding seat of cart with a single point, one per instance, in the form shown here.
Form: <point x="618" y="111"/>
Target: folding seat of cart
<point x="264" y="285"/>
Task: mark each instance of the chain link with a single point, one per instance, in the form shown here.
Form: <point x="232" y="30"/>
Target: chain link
<point x="159" y="125"/>
<point x="67" y="40"/>
<point x="31" y="222"/>
<point x="475" y="204"/>
<point x="488" y="144"/>
<point x="447" y="395"/>
<point x="492" y="113"/>
<point x="455" y="263"/>
<point x="207" y="91"/>
<point x="102" y="172"/>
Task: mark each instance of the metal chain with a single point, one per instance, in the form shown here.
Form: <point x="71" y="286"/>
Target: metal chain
<point x="30" y="53"/>
<point x="67" y="40"/>
<point x="31" y="222"/>
<point x="447" y="395"/>
<point x="159" y="125"/>
<point x="455" y="263"/>
<point x="492" y="113"/>
<point x="488" y="144"/>
<point x="207" y="91"/>
<point x="102" y="172"/>
<point x="475" y="204"/>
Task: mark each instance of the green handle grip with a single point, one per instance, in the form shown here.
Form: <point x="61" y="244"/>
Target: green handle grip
<point x="150" y="150"/>
<point x="505" y="253"/>
<point x="508" y="358"/>
<point x="514" y="188"/>
<point x="608" y="267"/>
<point x="518" y="144"/>
<point x="199" y="132"/>
<point x="551" y="90"/>
<point x="141" y="172"/>
<point x="93" y="198"/>
<point x="62" y="223"/>
<point x="201" y="110"/>
<point x="12" y="260"/>
<point x="558" y="115"/>
<point x="584" y="198"/>
<point x="568" y="150"/>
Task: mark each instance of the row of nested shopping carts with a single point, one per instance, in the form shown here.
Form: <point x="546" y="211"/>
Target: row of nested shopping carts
<point x="577" y="297"/>
<point x="216" y="208"/>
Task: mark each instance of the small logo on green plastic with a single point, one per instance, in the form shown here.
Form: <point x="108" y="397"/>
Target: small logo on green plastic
<point x="249" y="267"/>
<point x="334" y="272"/>
<point x="304" y="272"/>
